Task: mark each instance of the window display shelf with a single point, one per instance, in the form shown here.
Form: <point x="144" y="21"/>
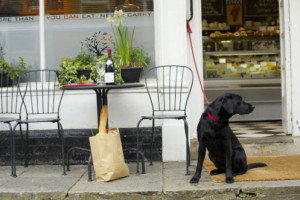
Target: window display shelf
<point x="270" y="83"/>
<point x="249" y="52"/>
<point x="242" y="38"/>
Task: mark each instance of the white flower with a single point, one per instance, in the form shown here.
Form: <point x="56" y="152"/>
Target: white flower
<point x="118" y="15"/>
<point x="121" y="13"/>
<point x="110" y="20"/>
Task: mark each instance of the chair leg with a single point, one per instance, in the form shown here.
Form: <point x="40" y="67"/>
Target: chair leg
<point x="188" y="159"/>
<point x="13" y="151"/>
<point x="70" y="151"/>
<point x="141" y="155"/>
<point x="90" y="168"/>
<point x="26" y="146"/>
<point x="138" y="147"/>
<point x="89" y="161"/>
<point x="12" y="146"/>
<point x="68" y="157"/>
<point x="61" y="134"/>
<point x="152" y="138"/>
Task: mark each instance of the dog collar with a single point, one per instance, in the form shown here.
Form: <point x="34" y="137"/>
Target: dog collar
<point x="211" y="117"/>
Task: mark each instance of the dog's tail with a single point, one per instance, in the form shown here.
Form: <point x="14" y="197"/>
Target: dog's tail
<point x="255" y="165"/>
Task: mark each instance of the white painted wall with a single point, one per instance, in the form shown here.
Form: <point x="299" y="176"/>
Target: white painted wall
<point x="196" y="103"/>
<point x="294" y="31"/>
<point x="171" y="48"/>
<point x="285" y="57"/>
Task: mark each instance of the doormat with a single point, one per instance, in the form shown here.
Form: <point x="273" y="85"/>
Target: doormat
<point x="278" y="168"/>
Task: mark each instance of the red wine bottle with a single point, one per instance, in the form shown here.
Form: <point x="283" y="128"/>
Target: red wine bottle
<point x="109" y="70"/>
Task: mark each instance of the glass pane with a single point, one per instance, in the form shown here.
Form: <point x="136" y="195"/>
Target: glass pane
<point x="19" y="36"/>
<point x="241" y="41"/>
<point x="81" y="25"/>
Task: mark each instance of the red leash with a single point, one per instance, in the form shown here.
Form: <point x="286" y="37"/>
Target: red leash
<point x="189" y="30"/>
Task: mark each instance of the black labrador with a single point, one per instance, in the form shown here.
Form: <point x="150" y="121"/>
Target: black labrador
<point x="214" y="133"/>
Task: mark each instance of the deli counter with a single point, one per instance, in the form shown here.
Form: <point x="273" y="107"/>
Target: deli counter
<point x="245" y="62"/>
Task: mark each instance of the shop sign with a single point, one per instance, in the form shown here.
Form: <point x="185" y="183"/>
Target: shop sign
<point x="255" y="8"/>
<point x="234" y="12"/>
<point x="233" y="2"/>
<point x="212" y="7"/>
<point x="71" y="17"/>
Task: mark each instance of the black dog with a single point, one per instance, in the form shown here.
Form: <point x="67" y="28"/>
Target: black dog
<point x="214" y="133"/>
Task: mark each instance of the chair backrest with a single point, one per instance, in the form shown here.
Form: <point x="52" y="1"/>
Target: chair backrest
<point x="40" y="92"/>
<point x="169" y="87"/>
<point x="10" y="100"/>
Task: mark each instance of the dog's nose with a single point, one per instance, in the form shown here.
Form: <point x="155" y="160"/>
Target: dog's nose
<point x="252" y="107"/>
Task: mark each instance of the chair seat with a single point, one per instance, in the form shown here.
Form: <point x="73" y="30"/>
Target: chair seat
<point x="6" y="120"/>
<point x="168" y="116"/>
<point x="36" y="120"/>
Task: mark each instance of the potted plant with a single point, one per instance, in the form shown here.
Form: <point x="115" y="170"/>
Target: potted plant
<point x="131" y="60"/>
<point x="76" y="69"/>
<point x="13" y="71"/>
<point x="84" y="63"/>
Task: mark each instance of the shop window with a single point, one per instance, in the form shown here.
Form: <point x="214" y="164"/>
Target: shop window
<point x="86" y="21"/>
<point x="19" y="36"/>
<point x="241" y="40"/>
<point x="69" y="24"/>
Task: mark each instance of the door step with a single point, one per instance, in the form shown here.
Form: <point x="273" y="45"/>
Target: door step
<point x="262" y="146"/>
<point x="270" y="146"/>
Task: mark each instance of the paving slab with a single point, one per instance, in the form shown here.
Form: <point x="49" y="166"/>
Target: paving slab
<point x="39" y="182"/>
<point x="5" y="173"/>
<point x="164" y="181"/>
<point x="132" y="187"/>
<point x="176" y="185"/>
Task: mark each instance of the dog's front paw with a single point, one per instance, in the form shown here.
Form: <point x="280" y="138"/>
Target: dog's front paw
<point x="194" y="180"/>
<point x="229" y="180"/>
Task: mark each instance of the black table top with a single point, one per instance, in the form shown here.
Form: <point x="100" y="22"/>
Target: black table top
<point x="99" y="87"/>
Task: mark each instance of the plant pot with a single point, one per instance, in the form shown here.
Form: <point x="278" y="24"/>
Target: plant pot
<point x="4" y="82"/>
<point x="131" y="75"/>
<point x="85" y="72"/>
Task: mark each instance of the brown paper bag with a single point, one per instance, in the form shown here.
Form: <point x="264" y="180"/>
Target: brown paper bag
<point x="108" y="157"/>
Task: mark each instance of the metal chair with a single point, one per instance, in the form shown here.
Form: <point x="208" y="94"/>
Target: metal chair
<point x="169" y="89"/>
<point x="10" y="102"/>
<point x="41" y="101"/>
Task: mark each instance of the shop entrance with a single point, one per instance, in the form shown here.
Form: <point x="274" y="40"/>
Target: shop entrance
<point x="241" y="54"/>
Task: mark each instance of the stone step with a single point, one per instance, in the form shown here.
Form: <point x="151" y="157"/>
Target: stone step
<point x="271" y="146"/>
<point x="262" y="146"/>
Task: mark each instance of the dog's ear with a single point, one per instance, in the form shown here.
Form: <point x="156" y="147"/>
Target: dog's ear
<point x="227" y="104"/>
<point x="218" y="104"/>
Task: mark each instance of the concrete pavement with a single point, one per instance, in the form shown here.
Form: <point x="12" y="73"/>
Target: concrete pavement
<point x="162" y="181"/>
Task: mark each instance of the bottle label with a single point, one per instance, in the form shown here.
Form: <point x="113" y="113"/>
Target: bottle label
<point x="109" y="77"/>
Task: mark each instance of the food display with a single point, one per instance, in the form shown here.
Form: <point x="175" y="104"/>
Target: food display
<point x="242" y="66"/>
<point x="241" y="41"/>
<point x="242" y="32"/>
<point x="243" y="54"/>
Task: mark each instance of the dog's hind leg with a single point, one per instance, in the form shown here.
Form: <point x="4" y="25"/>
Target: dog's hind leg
<point x="239" y="161"/>
<point x="217" y="171"/>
